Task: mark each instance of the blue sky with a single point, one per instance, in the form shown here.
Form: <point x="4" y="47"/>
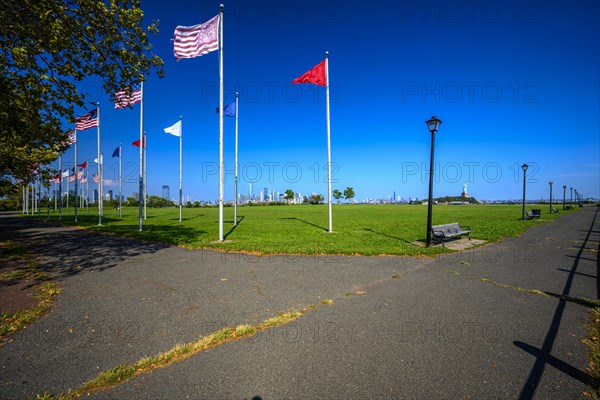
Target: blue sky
<point x="513" y="83"/>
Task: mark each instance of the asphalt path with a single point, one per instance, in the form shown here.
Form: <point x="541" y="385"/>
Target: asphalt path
<point x="399" y="327"/>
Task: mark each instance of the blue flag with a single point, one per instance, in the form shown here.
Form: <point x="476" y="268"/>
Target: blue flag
<point x="228" y="111"/>
<point x="117" y="153"/>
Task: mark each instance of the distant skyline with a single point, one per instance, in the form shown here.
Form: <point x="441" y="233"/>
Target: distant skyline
<point x="513" y="83"/>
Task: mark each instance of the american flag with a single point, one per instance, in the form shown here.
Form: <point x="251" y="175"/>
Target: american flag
<point x="87" y="121"/>
<point x="197" y="40"/>
<point x="72" y="137"/>
<point x="96" y="178"/>
<point x="55" y="179"/>
<point x="122" y="99"/>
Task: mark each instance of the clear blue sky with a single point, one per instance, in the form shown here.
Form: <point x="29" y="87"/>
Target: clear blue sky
<point x="513" y="83"/>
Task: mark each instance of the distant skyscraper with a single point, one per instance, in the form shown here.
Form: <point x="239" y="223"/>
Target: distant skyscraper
<point x="166" y="194"/>
<point x="110" y="194"/>
<point x="266" y="193"/>
<point x="95" y="195"/>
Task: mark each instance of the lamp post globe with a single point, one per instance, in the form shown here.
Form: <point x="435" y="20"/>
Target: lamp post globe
<point x="433" y="125"/>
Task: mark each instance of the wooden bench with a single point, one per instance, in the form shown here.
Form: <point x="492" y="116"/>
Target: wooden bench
<point x="447" y="231"/>
<point x="533" y="214"/>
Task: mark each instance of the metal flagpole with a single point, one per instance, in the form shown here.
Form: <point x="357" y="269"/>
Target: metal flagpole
<point x="180" y="167"/>
<point x="328" y="142"/>
<point x="141" y="183"/>
<point x="221" y="172"/>
<point x="87" y="189"/>
<point x="23" y="198"/>
<point x="76" y="175"/>
<point x="120" y="179"/>
<point x="145" y="176"/>
<point x="235" y="182"/>
<point x="68" y="188"/>
<point x="99" y="169"/>
<point x="60" y="188"/>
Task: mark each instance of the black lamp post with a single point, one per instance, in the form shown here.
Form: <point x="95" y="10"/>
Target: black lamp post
<point x="524" y="167"/>
<point x="433" y="125"/>
<point x="571" y="197"/>
<point x="564" y="195"/>
<point x="550" y="183"/>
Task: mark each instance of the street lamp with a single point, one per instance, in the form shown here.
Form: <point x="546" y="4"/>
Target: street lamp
<point x="564" y="195"/>
<point x="550" y="195"/>
<point x="433" y="125"/>
<point x="524" y="167"/>
<point x="571" y="197"/>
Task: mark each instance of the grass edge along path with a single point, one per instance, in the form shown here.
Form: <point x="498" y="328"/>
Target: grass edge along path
<point x="123" y="373"/>
<point x="11" y="323"/>
<point x="23" y="268"/>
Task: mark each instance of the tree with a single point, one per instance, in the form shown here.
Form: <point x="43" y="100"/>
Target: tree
<point x="289" y="195"/>
<point x="314" y="199"/>
<point x="337" y="195"/>
<point x="348" y="193"/>
<point x="53" y="54"/>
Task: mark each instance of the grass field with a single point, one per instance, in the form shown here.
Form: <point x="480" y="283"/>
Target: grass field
<point x="302" y="229"/>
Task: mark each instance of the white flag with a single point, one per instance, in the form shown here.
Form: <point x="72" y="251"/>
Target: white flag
<point x="175" y="129"/>
<point x="101" y="159"/>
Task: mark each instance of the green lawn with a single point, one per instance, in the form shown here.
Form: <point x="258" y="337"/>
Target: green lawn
<point x="302" y="229"/>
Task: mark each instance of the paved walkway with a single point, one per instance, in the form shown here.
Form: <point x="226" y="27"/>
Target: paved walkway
<point x="423" y="327"/>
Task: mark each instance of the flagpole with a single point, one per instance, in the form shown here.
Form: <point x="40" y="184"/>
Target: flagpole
<point x="68" y="189"/>
<point x="120" y="179"/>
<point x="141" y="178"/>
<point x="328" y="142"/>
<point x="87" y="189"/>
<point x="221" y="172"/>
<point x="145" y="175"/>
<point x="180" y="167"/>
<point x="60" y="188"/>
<point x="99" y="169"/>
<point x="235" y="182"/>
<point x="76" y="175"/>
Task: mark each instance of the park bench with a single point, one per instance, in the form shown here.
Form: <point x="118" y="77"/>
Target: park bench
<point x="535" y="213"/>
<point x="447" y="231"/>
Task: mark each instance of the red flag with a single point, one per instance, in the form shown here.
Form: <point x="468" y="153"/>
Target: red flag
<point x="82" y="165"/>
<point x="315" y="75"/>
<point x="137" y="143"/>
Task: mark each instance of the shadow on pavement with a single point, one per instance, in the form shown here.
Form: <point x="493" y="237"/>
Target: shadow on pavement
<point x="65" y="251"/>
<point x="542" y="355"/>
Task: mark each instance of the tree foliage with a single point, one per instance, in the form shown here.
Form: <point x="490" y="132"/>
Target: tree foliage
<point x="289" y="195"/>
<point x="348" y="193"/>
<point x="337" y="194"/>
<point x="55" y="56"/>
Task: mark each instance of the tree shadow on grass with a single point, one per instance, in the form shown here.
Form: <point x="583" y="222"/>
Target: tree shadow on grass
<point x="306" y="222"/>
<point x="63" y="251"/>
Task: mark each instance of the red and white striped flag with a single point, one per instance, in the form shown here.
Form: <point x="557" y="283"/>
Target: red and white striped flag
<point x="123" y="99"/>
<point x="197" y="40"/>
<point x="96" y="178"/>
<point x="87" y="121"/>
<point x="72" y="137"/>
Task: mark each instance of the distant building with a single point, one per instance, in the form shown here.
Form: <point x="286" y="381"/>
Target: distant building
<point x="110" y="195"/>
<point x="95" y="195"/>
<point x="166" y="194"/>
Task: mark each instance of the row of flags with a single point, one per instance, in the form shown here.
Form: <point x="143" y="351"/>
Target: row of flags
<point x="190" y="42"/>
